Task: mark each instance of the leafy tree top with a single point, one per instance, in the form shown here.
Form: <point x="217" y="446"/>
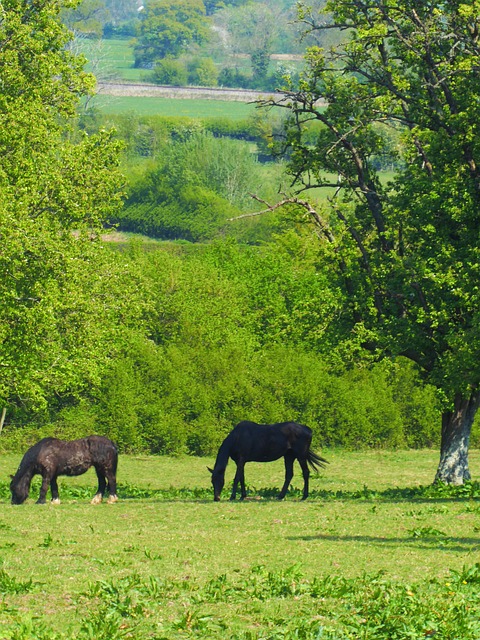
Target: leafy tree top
<point x="56" y="189"/>
<point x="168" y="28"/>
<point x="406" y="251"/>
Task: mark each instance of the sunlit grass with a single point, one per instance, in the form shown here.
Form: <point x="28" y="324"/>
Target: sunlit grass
<point x="169" y="107"/>
<point x="367" y="514"/>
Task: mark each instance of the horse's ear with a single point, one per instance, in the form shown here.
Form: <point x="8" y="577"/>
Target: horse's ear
<point x="211" y="470"/>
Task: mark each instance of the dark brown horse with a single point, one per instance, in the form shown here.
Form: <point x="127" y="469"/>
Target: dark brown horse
<point x="252" y="442"/>
<point x="51" y="458"/>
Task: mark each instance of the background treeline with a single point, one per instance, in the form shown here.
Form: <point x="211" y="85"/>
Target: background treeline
<point x="187" y="178"/>
<point x="211" y="321"/>
<point x="225" y="333"/>
<point x="241" y="43"/>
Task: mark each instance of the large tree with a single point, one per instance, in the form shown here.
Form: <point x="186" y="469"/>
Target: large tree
<point x="60" y="307"/>
<point x="405" y="253"/>
<point x="169" y="28"/>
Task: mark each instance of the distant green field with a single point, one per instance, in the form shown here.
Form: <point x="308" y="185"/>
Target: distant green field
<point x="111" y="59"/>
<point x="191" y="108"/>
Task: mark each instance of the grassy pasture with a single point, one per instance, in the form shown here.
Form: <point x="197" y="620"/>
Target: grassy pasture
<point x="173" y="107"/>
<point x="110" y="59"/>
<point x="168" y="562"/>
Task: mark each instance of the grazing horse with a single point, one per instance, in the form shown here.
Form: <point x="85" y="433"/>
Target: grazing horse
<point x="51" y="458"/>
<point x="252" y="442"/>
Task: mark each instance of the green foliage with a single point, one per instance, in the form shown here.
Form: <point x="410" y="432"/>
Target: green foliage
<point x="197" y="184"/>
<point x="205" y="308"/>
<point x="9" y="584"/>
<point x="87" y="18"/>
<point x="169" y="71"/>
<point x="169" y="28"/>
<point x="410" y="233"/>
<point x="59" y="288"/>
<point x="370" y="606"/>
<point x="397" y="250"/>
<point x="202" y="72"/>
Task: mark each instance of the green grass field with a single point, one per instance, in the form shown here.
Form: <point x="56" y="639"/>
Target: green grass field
<point x="110" y="59"/>
<point x="369" y="552"/>
<point x="191" y="108"/>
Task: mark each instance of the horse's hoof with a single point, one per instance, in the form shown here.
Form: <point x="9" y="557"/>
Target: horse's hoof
<point x="112" y="499"/>
<point x="96" y="499"/>
<point x="55" y="501"/>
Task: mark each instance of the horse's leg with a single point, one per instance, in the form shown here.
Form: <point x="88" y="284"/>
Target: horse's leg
<point x="54" y="490"/>
<point x="112" y="487"/>
<point x="289" y="458"/>
<point x="102" y="483"/>
<point x="306" y="475"/>
<point x="239" y="477"/>
<point x="242" y="482"/>
<point x="43" y="490"/>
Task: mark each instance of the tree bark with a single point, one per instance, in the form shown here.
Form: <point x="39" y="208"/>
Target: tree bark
<point x="456" y="428"/>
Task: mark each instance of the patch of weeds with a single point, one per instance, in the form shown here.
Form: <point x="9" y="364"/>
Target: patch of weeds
<point x="28" y="629"/>
<point x="330" y="608"/>
<point x="10" y="585"/>
<point x="103" y="625"/>
<point x="428" y="510"/>
<point x="5" y="491"/>
<point x="467" y="575"/>
<point x="426" y="532"/>
<point x="472" y="508"/>
<point x="48" y="541"/>
<point x="129" y="491"/>
<point x="194" y="622"/>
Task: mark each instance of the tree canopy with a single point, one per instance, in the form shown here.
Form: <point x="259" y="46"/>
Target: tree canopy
<point x="59" y="310"/>
<point x="404" y="252"/>
<point x="168" y="28"/>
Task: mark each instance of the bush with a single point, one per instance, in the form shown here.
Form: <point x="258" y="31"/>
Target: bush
<point x="170" y="71"/>
<point x="202" y="72"/>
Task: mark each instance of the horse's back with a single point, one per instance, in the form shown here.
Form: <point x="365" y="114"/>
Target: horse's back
<point x="267" y="442"/>
<point x="294" y="428"/>
<point x="70" y="457"/>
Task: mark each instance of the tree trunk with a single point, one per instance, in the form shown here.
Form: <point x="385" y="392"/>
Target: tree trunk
<point x="456" y="428"/>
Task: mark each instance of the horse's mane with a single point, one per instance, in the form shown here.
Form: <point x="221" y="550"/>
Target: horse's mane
<point x="223" y="453"/>
<point x="26" y="463"/>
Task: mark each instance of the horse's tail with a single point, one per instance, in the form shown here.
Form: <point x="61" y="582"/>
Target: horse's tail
<point x="315" y="461"/>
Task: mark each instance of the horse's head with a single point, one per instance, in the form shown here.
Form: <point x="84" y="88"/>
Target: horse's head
<point x="218" y="480"/>
<point x="19" y="490"/>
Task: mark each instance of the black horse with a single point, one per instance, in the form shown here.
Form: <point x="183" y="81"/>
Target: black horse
<point x="51" y="458"/>
<point x="251" y="442"/>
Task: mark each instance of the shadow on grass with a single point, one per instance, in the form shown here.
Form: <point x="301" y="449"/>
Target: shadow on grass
<point x="440" y="543"/>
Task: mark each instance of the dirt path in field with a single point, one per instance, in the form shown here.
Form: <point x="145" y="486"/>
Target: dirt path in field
<point x="161" y="91"/>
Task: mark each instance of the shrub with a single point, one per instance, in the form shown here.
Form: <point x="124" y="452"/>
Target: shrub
<point x="202" y="72"/>
<point x="170" y="71"/>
